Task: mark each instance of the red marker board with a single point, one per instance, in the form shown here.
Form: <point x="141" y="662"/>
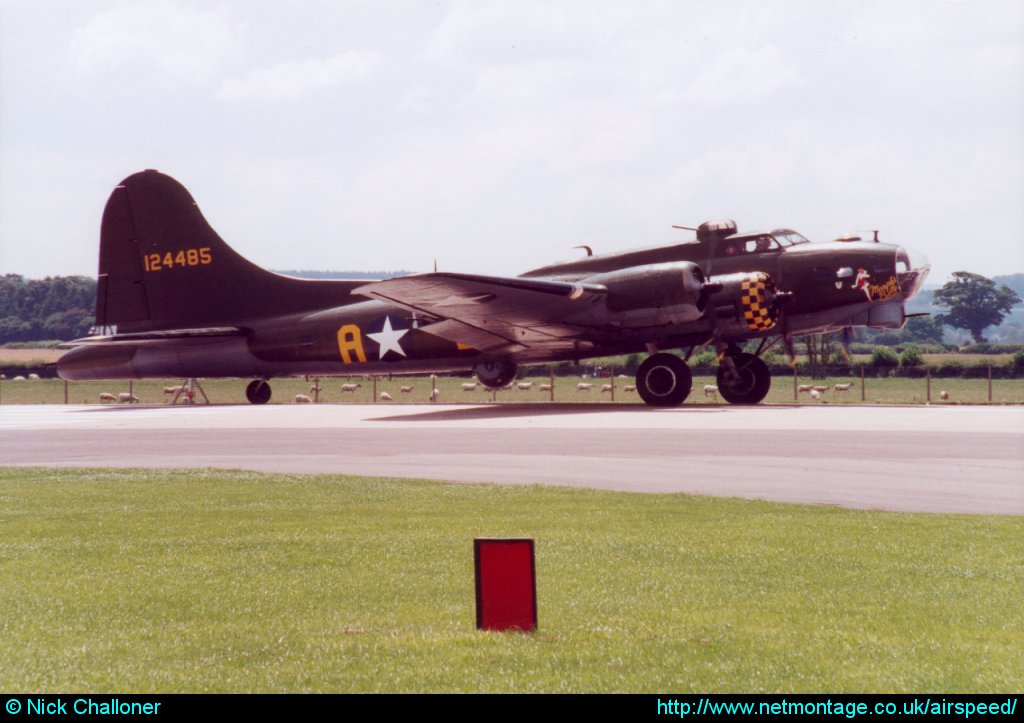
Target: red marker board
<point x="506" y="584"/>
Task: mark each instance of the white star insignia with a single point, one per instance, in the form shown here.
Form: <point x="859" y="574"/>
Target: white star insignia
<point x="388" y="338"/>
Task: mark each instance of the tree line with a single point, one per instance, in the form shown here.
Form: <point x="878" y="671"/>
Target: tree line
<point x="57" y="307"/>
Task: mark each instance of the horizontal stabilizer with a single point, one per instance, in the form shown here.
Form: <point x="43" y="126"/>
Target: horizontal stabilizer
<point x="150" y="336"/>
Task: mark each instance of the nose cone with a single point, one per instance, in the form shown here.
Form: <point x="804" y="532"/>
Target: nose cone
<point x="911" y="269"/>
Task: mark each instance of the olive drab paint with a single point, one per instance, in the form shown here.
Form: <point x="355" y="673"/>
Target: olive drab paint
<point x="175" y="300"/>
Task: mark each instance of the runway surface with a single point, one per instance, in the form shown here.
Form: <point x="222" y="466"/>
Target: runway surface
<point x="927" y="459"/>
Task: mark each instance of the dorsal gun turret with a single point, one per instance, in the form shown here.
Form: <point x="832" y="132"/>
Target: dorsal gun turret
<point x="715" y="229"/>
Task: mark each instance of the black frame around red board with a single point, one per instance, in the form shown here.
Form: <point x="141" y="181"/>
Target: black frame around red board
<point x="506" y="584"/>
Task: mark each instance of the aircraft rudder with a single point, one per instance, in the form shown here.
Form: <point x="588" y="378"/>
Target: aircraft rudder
<point x="162" y="266"/>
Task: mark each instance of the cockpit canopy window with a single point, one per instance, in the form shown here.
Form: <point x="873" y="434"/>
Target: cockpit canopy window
<point x="789" y="238"/>
<point x="748" y="245"/>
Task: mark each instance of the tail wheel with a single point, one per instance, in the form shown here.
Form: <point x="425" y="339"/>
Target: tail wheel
<point x="664" y="380"/>
<point x="749" y="384"/>
<point x="258" y="392"/>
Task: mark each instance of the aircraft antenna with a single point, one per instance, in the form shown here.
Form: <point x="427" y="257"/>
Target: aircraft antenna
<point x="684" y="228"/>
<point x="590" y="251"/>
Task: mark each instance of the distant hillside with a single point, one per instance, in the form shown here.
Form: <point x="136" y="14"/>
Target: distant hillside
<point x="1011" y="330"/>
<point x="373" y="275"/>
<point x="922" y="302"/>
<point x="1014" y="281"/>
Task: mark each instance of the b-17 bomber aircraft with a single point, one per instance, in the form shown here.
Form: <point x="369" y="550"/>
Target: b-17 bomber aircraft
<point x="174" y="300"/>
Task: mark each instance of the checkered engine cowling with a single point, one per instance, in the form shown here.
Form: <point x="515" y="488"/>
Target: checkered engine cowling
<point x="755" y="301"/>
<point x="746" y="303"/>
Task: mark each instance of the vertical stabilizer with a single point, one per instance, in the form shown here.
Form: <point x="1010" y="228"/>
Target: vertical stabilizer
<point x="163" y="267"/>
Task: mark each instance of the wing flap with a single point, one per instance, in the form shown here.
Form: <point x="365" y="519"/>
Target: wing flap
<point x="471" y="336"/>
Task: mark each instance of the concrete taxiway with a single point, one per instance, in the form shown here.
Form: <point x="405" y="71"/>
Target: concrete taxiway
<point x="925" y="459"/>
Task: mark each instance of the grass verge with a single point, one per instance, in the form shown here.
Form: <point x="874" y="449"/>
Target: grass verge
<point x="896" y="390"/>
<point x="168" y="581"/>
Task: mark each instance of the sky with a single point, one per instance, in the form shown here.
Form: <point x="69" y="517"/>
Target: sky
<point x="493" y="137"/>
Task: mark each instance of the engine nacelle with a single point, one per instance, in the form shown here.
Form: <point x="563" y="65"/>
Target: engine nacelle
<point x="654" y="295"/>
<point x="744" y="303"/>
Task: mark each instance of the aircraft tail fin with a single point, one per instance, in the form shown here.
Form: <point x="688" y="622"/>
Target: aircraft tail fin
<point x="163" y="267"/>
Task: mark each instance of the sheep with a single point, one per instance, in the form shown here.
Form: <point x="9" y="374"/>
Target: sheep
<point x="584" y="387"/>
<point x="107" y="397"/>
<point x="469" y="386"/>
<point x="435" y="394"/>
<point x="405" y="390"/>
<point x="302" y="399"/>
<point x="944" y="395"/>
<point x="629" y="388"/>
<point x="174" y="390"/>
<point x="544" y="388"/>
<point x="127" y="397"/>
<point x="349" y="387"/>
<point x="606" y="388"/>
<point x="3" y="376"/>
<point x="524" y="386"/>
<point x="804" y="389"/>
<point x="315" y="389"/>
<point x="385" y="397"/>
<point x="33" y="377"/>
<point x="18" y="378"/>
<point x="815" y="394"/>
<point x="820" y="390"/>
<point x="842" y="387"/>
<point x="710" y="390"/>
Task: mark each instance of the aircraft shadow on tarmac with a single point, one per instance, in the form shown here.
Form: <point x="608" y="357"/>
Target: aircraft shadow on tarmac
<point x="111" y="409"/>
<point x="508" y="411"/>
<point x="488" y="411"/>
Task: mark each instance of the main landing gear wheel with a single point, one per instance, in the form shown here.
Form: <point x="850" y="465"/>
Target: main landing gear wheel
<point x="664" y="380"/>
<point x="258" y="392"/>
<point x="495" y="375"/>
<point x="751" y="382"/>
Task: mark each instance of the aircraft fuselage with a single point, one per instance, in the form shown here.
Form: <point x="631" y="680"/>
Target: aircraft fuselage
<point x="175" y="301"/>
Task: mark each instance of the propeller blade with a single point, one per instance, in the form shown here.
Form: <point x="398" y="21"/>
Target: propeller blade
<point x="844" y="344"/>
<point x="787" y="341"/>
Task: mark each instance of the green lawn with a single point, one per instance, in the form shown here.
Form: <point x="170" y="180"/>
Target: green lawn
<point x="166" y="581"/>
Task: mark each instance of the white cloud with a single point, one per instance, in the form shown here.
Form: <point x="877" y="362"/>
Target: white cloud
<point x="185" y="42"/>
<point x="530" y="84"/>
<point x="495" y="135"/>
<point x="417" y="100"/>
<point x="293" y="79"/>
<point x="739" y="74"/>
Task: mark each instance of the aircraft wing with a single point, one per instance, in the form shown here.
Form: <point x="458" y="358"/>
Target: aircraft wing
<point x="491" y="312"/>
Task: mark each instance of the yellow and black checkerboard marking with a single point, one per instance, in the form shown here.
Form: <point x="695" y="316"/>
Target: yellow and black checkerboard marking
<point x="754" y="302"/>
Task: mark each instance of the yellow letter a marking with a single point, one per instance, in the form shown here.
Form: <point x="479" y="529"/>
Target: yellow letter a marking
<point x="350" y="339"/>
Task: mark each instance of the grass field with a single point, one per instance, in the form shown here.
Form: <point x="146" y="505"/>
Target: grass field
<point x="232" y="391"/>
<point x="36" y="357"/>
<point x="161" y="581"/>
